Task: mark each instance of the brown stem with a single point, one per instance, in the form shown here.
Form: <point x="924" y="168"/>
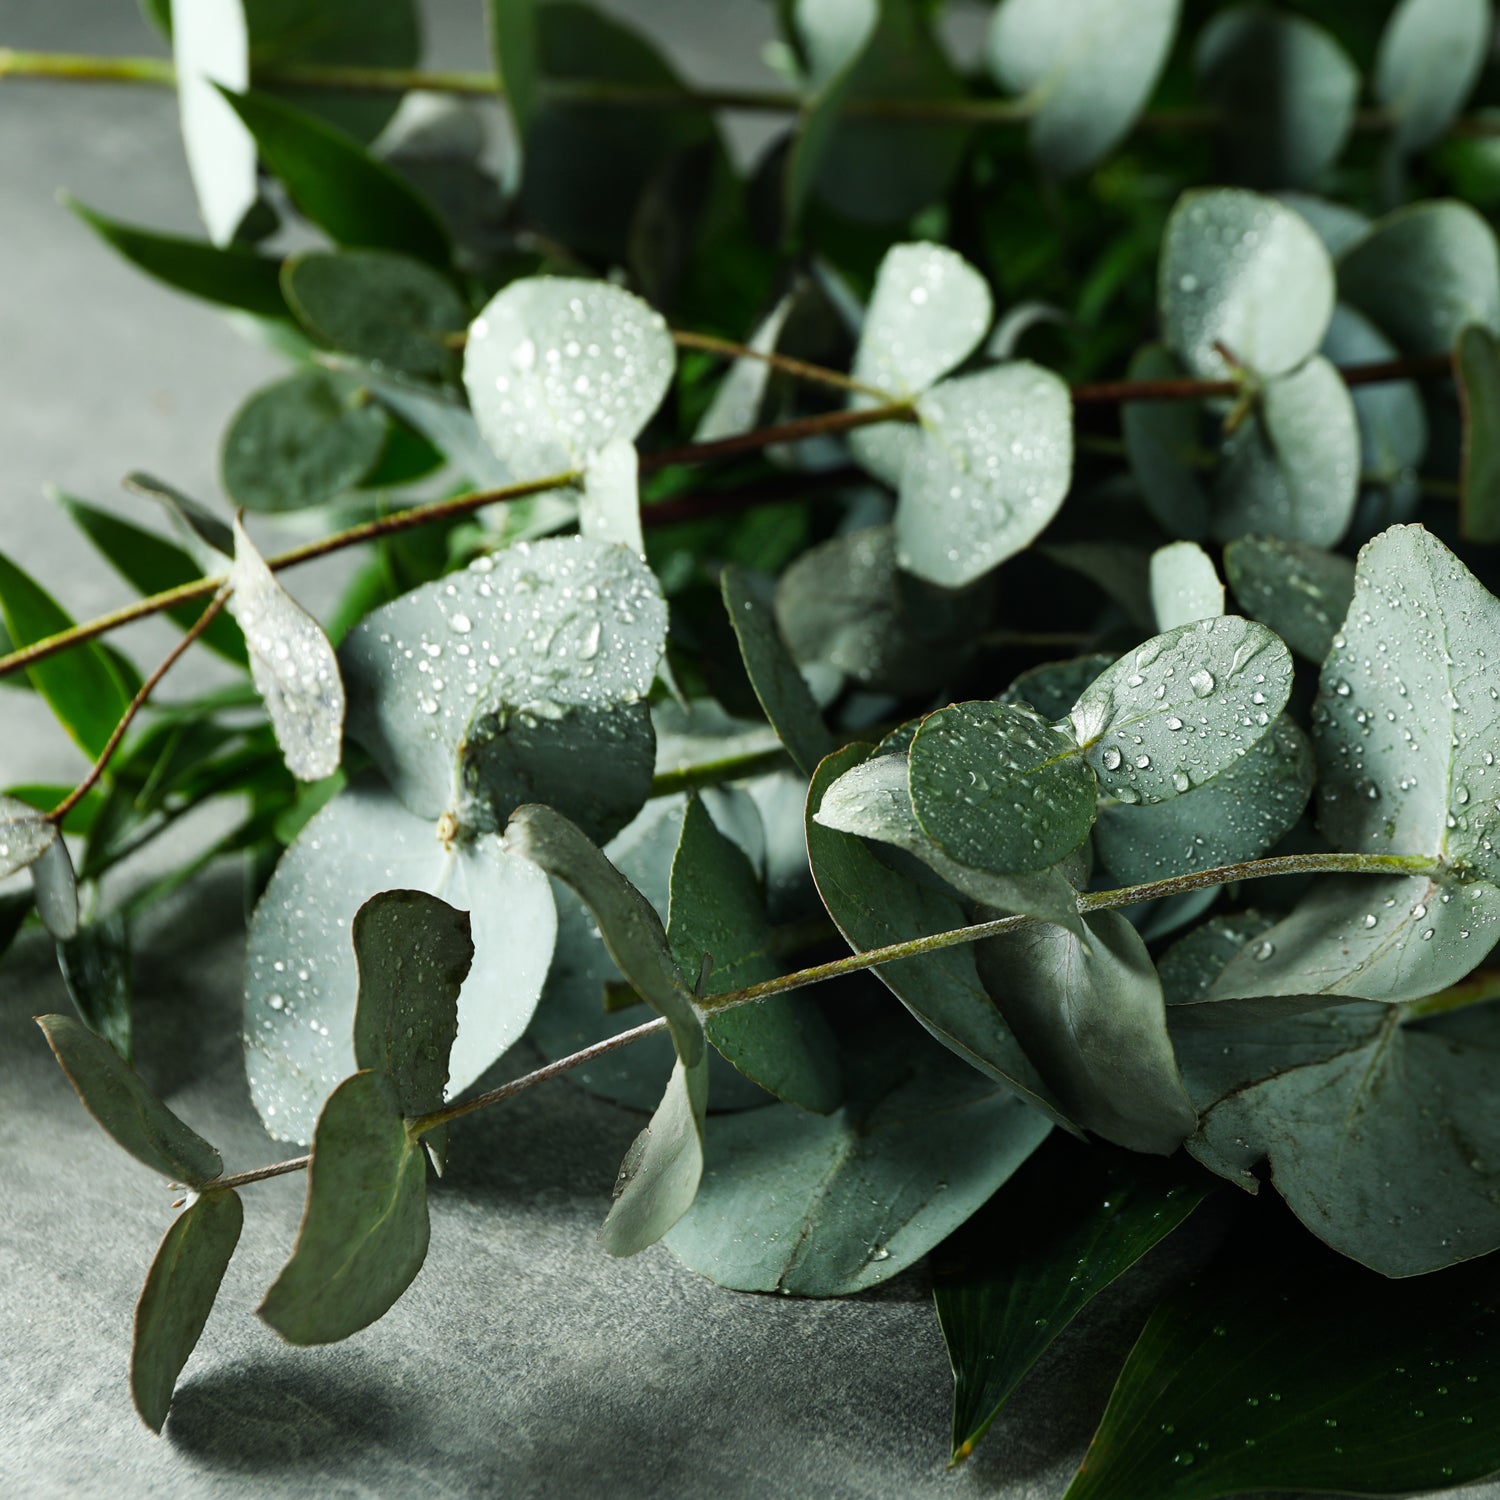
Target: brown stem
<point x="795" y="431"/>
<point x="798" y="368"/>
<point x="136" y="704"/>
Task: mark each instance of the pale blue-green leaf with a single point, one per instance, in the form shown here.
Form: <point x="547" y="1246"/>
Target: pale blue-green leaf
<point x="413" y="953"/>
<point x="56" y="887"/>
<point x="177" y="1298"/>
<point x="1013" y="326"/>
<point x="1162" y="439"/>
<point x="1424" y="273"/>
<point x="1190" y="966"/>
<point x="1301" y="592"/>
<point x="208" y="540"/>
<point x="301" y="984"/>
<point x="1292" y="468"/>
<point x="1185" y="586"/>
<point x="928" y="313"/>
<point x="1243" y="274"/>
<point x="521" y="679"/>
<point x="292" y="662"/>
<point x="1477" y="360"/>
<point x="609" y="508"/>
<point x="364" y="1229"/>
<point x="126" y="1109"/>
<point x="1183" y="707"/>
<point x="1091" y="66"/>
<point x="875" y="906"/>
<point x="450" y="427"/>
<point x="718" y="928"/>
<point x="998" y="787"/>
<point x="990" y="469"/>
<point x="94" y="960"/>
<point x="1090" y="1015"/>
<point x="1376" y="1131"/>
<point x="698" y="735"/>
<point x="1054" y="687"/>
<point x="821" y="1207"/>
<point x="1286" y="89"/>
<point x="211" y="45"/>
<point x="1237" y="815"/>
<point x="556" y="368"/>
<point x="737" y="402"/>
<point x="1431" y="53"/>
<point x="1336" y="224"/>
<point x="25" y="835"/>
<point x="873" y="801"/>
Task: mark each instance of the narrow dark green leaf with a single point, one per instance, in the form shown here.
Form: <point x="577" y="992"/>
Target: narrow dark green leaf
<point x="206" y="536"/>
<point x="126" y="1108"/>
<point x="229" y="275"/>
<point x="1071" y="1221"/>
<point x="337" y="184"/>
<point x="177" y="1298"/>
<point x="1281" y="1378"/>
<point x="1477" y="360"/>
<point x="84" y="687"/>
<point x="413" y="952"/>
<point x="95" y="964"/>
<point x="773" y="674"/>
<point x="515" y="47"/>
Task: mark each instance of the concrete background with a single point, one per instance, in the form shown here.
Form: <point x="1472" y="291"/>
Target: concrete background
<point x="523" y="1361"/>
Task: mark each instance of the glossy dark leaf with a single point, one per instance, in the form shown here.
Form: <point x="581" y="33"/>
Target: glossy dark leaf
<point x="95" y="964"/>
<point x="515" y="46"/>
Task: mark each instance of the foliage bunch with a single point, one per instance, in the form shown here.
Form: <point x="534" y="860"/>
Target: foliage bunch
<point x="1119" y="678"/>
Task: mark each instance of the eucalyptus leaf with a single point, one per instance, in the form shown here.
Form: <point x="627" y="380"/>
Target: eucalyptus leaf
<point x="1065" y="1227"/>
<point x="874" y="906"/>
<point x="25" y="835"/>
<point x="55" y="886"/>
<point x="204" y="535"/>
<point x="1091" y="65"/>
<point x="521" y="679"/>
<point x="1242" y="275"/>
<point x="738" y="400"/>
<point x="1431" y="54"/>
<point x="997" y="787"/>
<point x="1161" y="442"/>
<point x="1477" y="362"/>
<point x="1185" y="586"/>
<point x="1288" y="91"/>
<point x="364" y="1229"/>
<point x="1300" y="592"/>
<point x="991" y="469"/>
<point x="1424" y="273"/>
<point x="177" y="1298"/>
<point x="1090" y="1015"/>
<point x="301" y="978"/>
<point x="449" y="426"/>
<point x="1336" y="224"/>
<point x="413" y="952"/>
<point x="516" y="49"/>
<point x="292" y="662"/>
<point x="1292" y="469"/>
<point x="1183" y="707"/>
<point x="824" y="1206"/>
<point x="609" y="507"/>
<point x="556" y="368"/>
<point x="1190" y="966"/>
<point x="126" y="1109"/>
<point x="1277" y="1378"/>
<point x="95" y="964"/>
<point x="1054" y="687"/>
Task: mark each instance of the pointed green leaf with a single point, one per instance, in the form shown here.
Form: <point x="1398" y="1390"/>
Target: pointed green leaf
<point x="1242" y="274"/>
<point x="413" y="952"/>
<point x="1162" y="440"/>
<point x="210" y="51"/>
<point x="177" y="1298"/>
<point x="1091" y="66"/>
<point x="996" y="786"/>
<point x="95" y="965"/>
<point x="1477" y="360"/>
<point x="208" y="539"/>
<point x="358" y="200"/>
<point x="1299" y="591"/>
<point x="364" y="1229"/>
<point x="125" y="1107"/>
<point x="718" y="918"/>
<point x="823" y="1206"/>
<point x="55" y="886"/>
<point x="514" y="46"/>
<point x="609" y="503"/>
<point x="1430" y="57"/>
<point x="1091" y="1017"/>
<point x="1066" y="1226"/>
<point x="1185" y="586"/>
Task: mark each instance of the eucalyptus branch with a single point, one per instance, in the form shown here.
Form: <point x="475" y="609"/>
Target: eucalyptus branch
<point x="798" y="368"/>
<point x="137" y="703"/>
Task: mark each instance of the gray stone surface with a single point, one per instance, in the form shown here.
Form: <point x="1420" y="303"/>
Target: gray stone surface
<point x="523" y="1361"/>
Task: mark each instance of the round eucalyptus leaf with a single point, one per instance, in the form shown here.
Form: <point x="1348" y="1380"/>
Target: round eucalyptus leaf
<point x="1242" y="275"/>
<point x="522" y="679"/>
<point x="1299" y="591"/>
<point x="302" y="980"/>
<point x="1161" y="441"/>
<point x="1287" y="90"/>
<point x="389" y="309"/>
<point x="998" y="787"/>
<point x="1185" y="586"/>
<point x="1292" y="468"/>
<point x="1054" y="687"/>
<point x="1392" y="418"/>
<point x="990" y="470"/>
<point x="302" y="441"/>
<point x="1238" y="815"/>
<point x="556" y="368"/>
<point x="1424" y="273"/>
<point x="1091" y="64"/>
<point x="1182" y="708"/>
<point x="1190" y="966"/>
<point x="1336" y="224"/>
<point x="1431" y="54"/>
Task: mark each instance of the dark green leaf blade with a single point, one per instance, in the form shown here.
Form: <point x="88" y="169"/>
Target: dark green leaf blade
<point x="514" y="46"/>
<point x="364" y="1228"/>
<point x="413" y="951"/>
<point x="95" y="964"/>
<point x="126" y="1108"/>
<point x="177" y="1298"/>
<point x="1070" y="1222"/>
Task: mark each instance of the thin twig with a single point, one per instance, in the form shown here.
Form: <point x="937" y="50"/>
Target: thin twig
<point x="800" y="369"/>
